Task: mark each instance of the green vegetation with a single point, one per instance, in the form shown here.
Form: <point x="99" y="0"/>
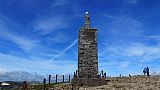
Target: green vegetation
<point x="40" y="86"/>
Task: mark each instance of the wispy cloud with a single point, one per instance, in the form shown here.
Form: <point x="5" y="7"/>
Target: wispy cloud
<point x="121" y="29"/>
<point x="113" y="64"/>
<point x="37" y="61"/>
<point x="21" y="76"/>
<point x="47" y="25"/>
<point x="35" y="64"/>
<point x="130" y="26"/>
<point x="2" y="71"/>
<point x="58" y="3"/>
<point x="124" y="64"/>
<point x="116" y="59"/>
<point x="154" y="37"/>
<point x="65" y="50"/>
<point x="7" y="33"/>
<point x="22" y="42"/>
<point x="58" y="38"/>
<point x="132" y="1"/>
<point x="29" y="5"/>
<point x="145" y="52"/>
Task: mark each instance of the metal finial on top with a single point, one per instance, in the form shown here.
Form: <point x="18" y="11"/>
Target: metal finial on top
<point x="87" y="12"/>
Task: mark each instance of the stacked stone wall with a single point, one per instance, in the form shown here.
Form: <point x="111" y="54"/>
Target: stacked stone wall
<point x="87" y="53"/>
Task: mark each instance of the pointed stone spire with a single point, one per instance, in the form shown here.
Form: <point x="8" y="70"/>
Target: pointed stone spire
<point x="87" y="20"/>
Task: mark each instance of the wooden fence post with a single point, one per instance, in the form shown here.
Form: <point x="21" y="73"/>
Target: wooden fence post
<point x="69" y="78"/>
<point x="56" y="78"/>
<point x="49" y="80"/>
<point x="44" y="84"/>
<point x="63" y="78"/>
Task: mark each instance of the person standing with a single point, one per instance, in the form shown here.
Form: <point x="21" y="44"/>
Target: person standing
<point x="144" y="71"/>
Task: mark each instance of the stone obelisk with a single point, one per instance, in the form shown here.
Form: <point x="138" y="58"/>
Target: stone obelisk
<point x="87" y="50"/>
<point x="87" y="57"/>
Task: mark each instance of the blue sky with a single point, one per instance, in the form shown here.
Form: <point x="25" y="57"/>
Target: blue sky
<point x="39" y="37"/>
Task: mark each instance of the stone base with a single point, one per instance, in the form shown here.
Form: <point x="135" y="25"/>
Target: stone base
<point x="89" y="81"/>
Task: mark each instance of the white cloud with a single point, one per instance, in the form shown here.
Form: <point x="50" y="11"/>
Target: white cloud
<point x="143" y="53"/>
<point x="121" y="27"/>
<point x="2" y="71"/>
<point x="28" y="5"/>
<point x="59" y="38"/>
<point x="132" y="1"/>
<point x="124" y="64"/>
<point x="23" y="42"/>
<point x="65" y="50"/>
<point x="36" y="64"/>
<point x="154" y="37"/>
<point x="51" y="24"/>
<point x="57" y="3"/>
<point x="146" y="53"/>
<point x="125" y="27"/>
<point x="114" y="64"/>
<point x="129" y="58"/>
<point x="7" y="33"/>
<point x="107" y="15"/>
<point x="21" y="76"/>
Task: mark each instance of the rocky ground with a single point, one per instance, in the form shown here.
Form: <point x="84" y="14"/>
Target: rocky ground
<point x="120" y="83"/>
